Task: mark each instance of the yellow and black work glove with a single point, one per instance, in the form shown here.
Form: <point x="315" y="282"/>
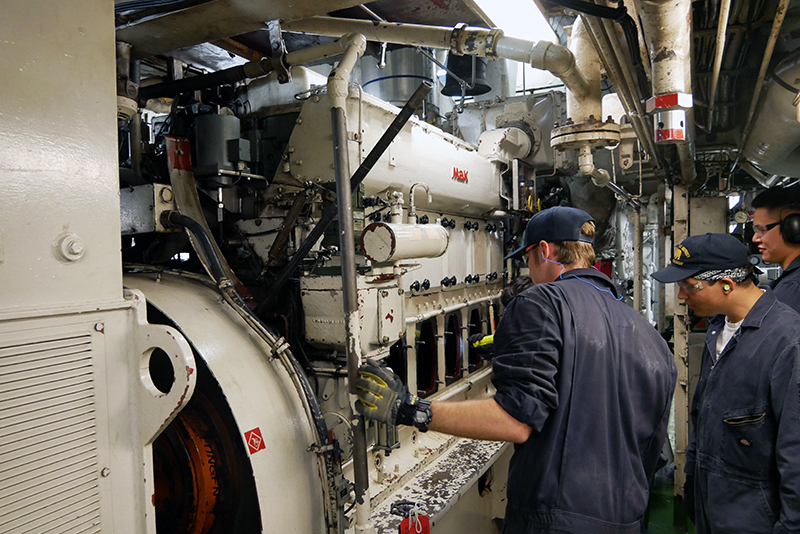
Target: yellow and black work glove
<point x="383" y="397"/>
<point x="483" y="345"/>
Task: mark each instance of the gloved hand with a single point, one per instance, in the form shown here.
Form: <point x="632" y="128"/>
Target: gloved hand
<point x="688" y="497"/>
<point x="483" y="345"/>
<point x="383" y="397"/>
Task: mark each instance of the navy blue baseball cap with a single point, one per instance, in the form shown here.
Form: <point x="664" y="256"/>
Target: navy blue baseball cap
<point x="554" y="225"/>
<point x="699" y="253"/>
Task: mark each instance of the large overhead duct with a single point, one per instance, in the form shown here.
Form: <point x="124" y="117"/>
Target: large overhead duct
<point x="214" y="20"/>
<point x="774" y="144"/>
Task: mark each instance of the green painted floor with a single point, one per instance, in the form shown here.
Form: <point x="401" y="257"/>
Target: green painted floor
<point x="660" y="514"/>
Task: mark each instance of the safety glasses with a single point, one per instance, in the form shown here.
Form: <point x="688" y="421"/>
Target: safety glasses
<point x="761" y="230"/>
<point x="691" y="288"/>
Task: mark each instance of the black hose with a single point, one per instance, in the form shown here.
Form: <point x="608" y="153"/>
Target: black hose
<point x="619" y="15"/>
<point x="330" y="212"/>
<point x="173" y="218"/>
<point x="204" y="81"/>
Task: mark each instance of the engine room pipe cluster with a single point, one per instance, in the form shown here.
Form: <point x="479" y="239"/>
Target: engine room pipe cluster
<point x="461" y="40"/>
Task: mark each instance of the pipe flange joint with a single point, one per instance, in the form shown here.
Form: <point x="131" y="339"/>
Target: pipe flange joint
<point x="491" y="43"/>
<point x="455" y="38"/>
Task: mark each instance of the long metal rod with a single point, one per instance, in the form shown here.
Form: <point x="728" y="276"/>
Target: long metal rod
<point x="780" y="14"/>
<point x="722" y="27"/>
<point x="638" y="259"/>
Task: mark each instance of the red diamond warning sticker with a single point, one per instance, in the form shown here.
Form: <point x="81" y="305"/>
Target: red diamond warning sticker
<point x="254" y="440"/>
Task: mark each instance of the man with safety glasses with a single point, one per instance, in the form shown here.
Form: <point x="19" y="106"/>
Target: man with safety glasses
<point x="776" y="231"/>
<point x="743" y="460"/>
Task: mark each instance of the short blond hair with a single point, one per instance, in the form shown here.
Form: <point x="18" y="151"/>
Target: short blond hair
<point x="577" y="252"/>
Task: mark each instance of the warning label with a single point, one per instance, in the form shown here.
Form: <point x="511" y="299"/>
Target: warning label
<point x="254" y="440"/>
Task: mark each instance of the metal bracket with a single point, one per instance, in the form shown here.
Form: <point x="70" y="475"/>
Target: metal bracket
<point x="277" y="52"/>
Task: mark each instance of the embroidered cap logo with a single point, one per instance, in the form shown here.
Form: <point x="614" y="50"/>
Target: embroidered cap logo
<point x="680" y="252"/>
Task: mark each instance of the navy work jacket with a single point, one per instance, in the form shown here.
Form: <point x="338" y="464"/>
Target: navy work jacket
<point x="744" y="451"/>
<point x="787" y="286"/>
<point x="594" y="381"/>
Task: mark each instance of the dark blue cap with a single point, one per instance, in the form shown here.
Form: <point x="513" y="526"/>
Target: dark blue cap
<point x="554" y="225"/>
<point x="700" y="253"/>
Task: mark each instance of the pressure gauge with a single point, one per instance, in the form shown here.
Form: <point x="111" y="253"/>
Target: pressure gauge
<point x="741" y="217"/>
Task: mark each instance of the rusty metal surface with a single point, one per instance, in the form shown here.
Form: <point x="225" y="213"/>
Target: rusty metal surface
<point x="436" y="488"/>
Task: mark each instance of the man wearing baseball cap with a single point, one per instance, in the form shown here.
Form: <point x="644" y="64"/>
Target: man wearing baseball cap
<point x="743" y="460"/>
<point x="584" y="387"/>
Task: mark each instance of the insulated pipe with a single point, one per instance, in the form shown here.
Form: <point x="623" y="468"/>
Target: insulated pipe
<point x="630" y="96"/>
<point x="722" y="30"/>
<point x="460" y="40"/>
<point x="666" y="25"/>
<point x="581" y="108"/>
<point x="780" y="14"/>
<point x="338" y="87"/>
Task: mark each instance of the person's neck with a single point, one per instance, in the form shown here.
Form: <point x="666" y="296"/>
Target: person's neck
<point x="741" y="301"/>
<point x="790" y="258"/>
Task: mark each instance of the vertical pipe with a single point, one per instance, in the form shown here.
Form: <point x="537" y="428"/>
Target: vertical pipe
<point x="638" y="258"/>
<point x="722" y="30"/>
<point x="680" y="209"/>
<point x="661" y="255"/>
<point x="135" y="143"/>
<point x="338" y="83"/>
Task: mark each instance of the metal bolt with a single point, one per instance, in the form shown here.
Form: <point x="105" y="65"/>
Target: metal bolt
<point x="76" y="247"/>
<point x="385" y="339"/>
<point x="98" y="327"/>
<point x="400" y="291"/>
<point x="105" y="472"/>
<point x="384" y="293"/>
<point x="299" y="121"/>
<point x="166" y="195"/>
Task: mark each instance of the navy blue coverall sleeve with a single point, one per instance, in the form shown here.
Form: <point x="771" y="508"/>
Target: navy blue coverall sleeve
<point x="788" y="292"/>
<point x="527" y="350"/>
<point x="786" y="405"/>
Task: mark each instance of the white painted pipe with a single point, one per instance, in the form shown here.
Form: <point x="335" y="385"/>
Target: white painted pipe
<point x="339" y="79"/>
<point x="470" y="41"/>
<point x="666" y="25"/>
<point x="722" y="31"/>
<point x="583" y="107"/>
<point x="388" y="242"/>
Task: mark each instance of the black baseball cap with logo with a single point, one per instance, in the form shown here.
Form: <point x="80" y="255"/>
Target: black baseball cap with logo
<point x="554" y="225"/>
<point x="699" y="253"/>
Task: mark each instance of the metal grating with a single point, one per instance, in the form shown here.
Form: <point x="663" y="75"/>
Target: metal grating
<point x="48" y="451"/>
